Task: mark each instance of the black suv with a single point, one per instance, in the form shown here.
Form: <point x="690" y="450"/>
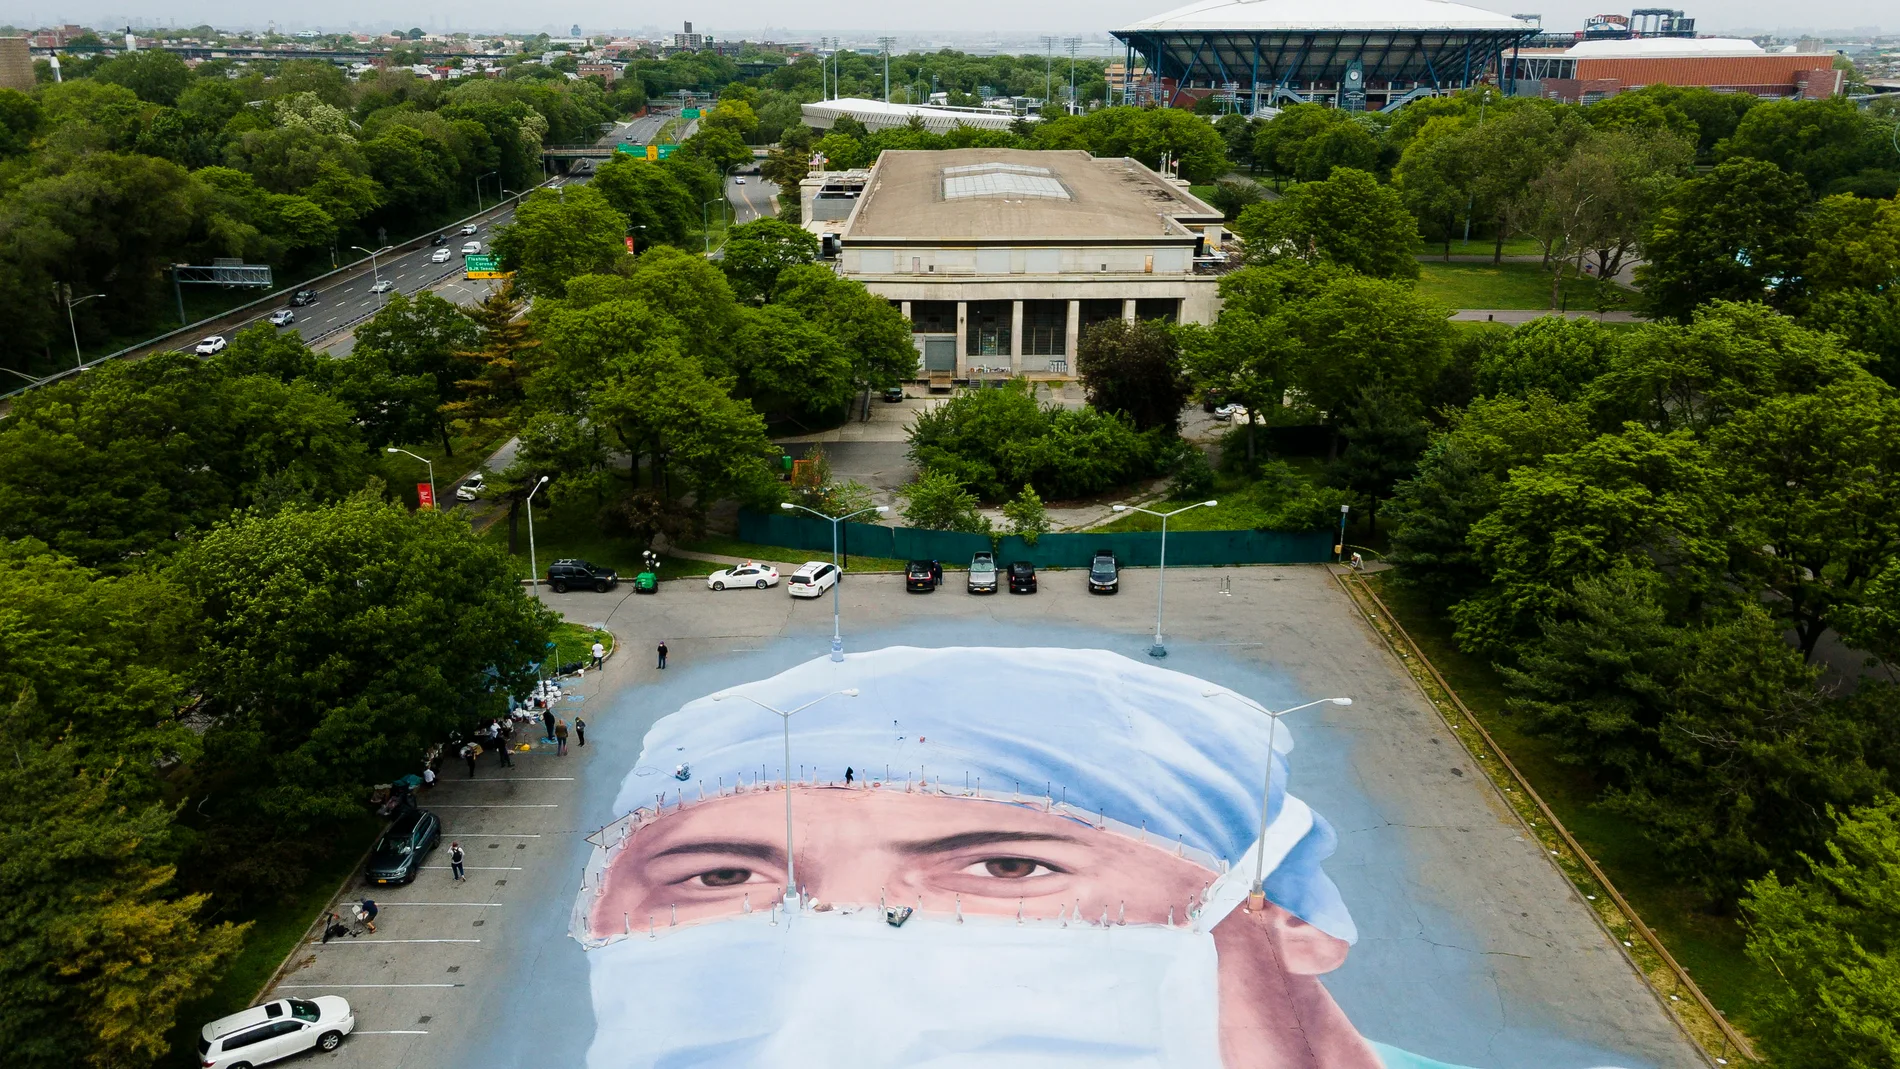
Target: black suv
<point x="1022" y="577"/>
<point x="303" y="297"/>
<point x="398" y="855"/>
<point x="1105" y="573"/>
<point x="577" y="573"/>
<point x="922" y="576"/>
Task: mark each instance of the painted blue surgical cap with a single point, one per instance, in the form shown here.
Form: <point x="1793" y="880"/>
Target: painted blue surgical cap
<point x="1139" y="745"/>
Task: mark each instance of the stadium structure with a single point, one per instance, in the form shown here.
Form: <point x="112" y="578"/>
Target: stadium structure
<point x="1353" y="54"/>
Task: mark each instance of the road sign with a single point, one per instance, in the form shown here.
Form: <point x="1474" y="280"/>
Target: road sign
<point x="483" y="266"/>
<point x="689" y="113"/>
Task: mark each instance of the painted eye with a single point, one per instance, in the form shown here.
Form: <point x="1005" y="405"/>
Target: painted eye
<point x="724" y="877"/>
<point x="1014" y="868"/>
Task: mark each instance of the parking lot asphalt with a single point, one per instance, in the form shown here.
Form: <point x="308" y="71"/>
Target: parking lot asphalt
<point x="1473" y="949"/>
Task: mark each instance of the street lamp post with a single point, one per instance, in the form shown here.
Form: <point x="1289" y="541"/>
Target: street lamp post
<point x="1340" y="549"/>
<point x="425" y="460"/>
<point x="785" y="723"/>
<point x="1259" y="893"/>
<point x="1158" y="649"/>
<point x="478" y="188"/>
<point x="534" y="568"/>
<point x="73" y="325"/>
<point x="376" y="273"/>
<point x="705" y="224"/>
<point x="837" y="638"/>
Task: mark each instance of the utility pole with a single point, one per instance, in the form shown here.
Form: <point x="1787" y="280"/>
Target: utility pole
<point x="1072" y="43"/>
<point x="887" y="42"/>
<point x="1048" y="68"/>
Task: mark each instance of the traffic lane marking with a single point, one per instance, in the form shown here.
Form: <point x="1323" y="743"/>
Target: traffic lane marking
<point x="332" y="987"/>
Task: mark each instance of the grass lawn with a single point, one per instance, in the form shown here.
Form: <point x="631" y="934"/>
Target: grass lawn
<point x="1709" y="947"/>
<point x="575" y="642"/>
<point x="1507" y="285"/>
<point x="275" y="932"/>
<point x="472" y="447"/>
<point x="732" y="547"/>
<point x="568" y="530"/>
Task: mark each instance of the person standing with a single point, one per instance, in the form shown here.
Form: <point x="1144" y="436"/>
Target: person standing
<point x="455" y="862"/>
<point x="662" y="652"/>
<point x="847" y="775"/>
<point x="428" y="777"/>
<point x="560" y="737"/>
<point x="580" y="731"/>
<point x="504" y="740"/>
<point x="600" y="654"/>
<point x="547" y="721"/>
<point x="469" y="753"/>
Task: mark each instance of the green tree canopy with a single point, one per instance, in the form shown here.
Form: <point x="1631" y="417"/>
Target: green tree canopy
<point x="559" y="234"/>
<point x="1349" y="220"/>
<point x="756" y="252"/>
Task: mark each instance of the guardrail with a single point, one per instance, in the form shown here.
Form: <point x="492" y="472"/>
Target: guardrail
<point x="244" y="313"/>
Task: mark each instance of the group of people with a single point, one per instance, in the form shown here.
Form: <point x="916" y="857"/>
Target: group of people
<point x="558" y="731"/>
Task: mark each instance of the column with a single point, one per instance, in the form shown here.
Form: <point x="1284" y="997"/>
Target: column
<point x="1128" y="309"/>
<point x="1015" y="336"/>
<point x="904" y="307"/>
<point x="963" y="334"/>
<point x="1072" y="333"/>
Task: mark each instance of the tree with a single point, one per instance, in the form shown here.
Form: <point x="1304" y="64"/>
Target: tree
<point x="155" y="75"/>
<point x="1826" y="942"/>
<point x="1384" y="433"/>
<point x="1560" y="357"/>
<point x="1730" y="235"/>
<point x="1349" y="220"/>
<point x="875" y="335"/>
<point x="1437" y="178"/>
<point x="1356" y="330"/>
<point x="1598" y="200"/>
<point x="791" y="366"/>
<point x="937" y="501"/>
<point x="1027" y="517"/>
<point x="1232" y="196"/>
<point x="1815" y="141"/>
<point x="340" y="641"/>
<point x="96" y="955"/>
<point x="1133" y="369"/>
<point x="657" y="205"/>
<point x="557" y="235"/>
<point x="495" y="367"/>
<point x="403" y="370"/>
<point x="756" y="252"/>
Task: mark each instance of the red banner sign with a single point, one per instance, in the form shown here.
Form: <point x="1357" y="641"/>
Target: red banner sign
<point x="425" y="496"/>
<point x="630" y="243"/>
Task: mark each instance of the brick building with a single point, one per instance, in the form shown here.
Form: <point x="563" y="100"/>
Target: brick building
<point x="1593" y="70"/>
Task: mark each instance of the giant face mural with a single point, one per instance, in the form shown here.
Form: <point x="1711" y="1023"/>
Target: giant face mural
<point x="1002" y="858"/>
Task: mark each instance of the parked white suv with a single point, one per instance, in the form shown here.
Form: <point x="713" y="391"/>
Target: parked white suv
<point x="275" y="1030"/>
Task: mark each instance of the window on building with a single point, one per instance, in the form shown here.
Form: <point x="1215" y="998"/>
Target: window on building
<point x="1164" y="308"/>
<point x="987" y="329"/>
<point x="1099" y="311"/>
<point x="933" y="317"/>
<point x="1045" y="328"/>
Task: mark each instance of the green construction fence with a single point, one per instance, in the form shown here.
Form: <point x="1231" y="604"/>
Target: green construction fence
<point x="1137" y="548"/>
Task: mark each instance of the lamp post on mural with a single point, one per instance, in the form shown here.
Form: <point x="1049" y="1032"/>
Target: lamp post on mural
<point x="785" y="723"/>
<point x="1158" y="649"/>
<point x="425" y="460"/>
<point x="837" y="639"/>
<point x="1259" y="892"/>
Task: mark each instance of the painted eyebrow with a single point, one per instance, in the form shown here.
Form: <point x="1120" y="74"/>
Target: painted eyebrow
<point x="968" y="839"/>
<point x="755" y="851"/>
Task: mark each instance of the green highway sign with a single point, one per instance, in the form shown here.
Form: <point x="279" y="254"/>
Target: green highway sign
<point x="482" y="266"/>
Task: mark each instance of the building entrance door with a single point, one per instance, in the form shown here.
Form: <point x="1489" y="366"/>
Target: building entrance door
<point x="940" y="354"/>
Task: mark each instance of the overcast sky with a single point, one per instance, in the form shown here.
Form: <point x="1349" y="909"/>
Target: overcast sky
<point x="798" y="21"/>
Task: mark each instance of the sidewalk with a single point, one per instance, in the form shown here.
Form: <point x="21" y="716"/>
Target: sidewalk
<point x="1525" y="315"/>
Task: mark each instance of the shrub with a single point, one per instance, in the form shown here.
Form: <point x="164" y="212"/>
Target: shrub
<point x="991" y="440"/>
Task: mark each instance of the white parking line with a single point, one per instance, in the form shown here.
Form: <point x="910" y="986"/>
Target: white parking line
<point x="392" y="1032"/>
<point x="499" y="835"/>
<point x="481" y="868"/>
<point x="540" y="805"/>
<point x="386" y="905"/>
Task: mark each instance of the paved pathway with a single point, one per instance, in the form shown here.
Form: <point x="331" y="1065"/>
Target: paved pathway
<point x="1525" y="315"/>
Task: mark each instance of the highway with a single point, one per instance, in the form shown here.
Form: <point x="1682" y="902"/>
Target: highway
<point x="757" y="199"/>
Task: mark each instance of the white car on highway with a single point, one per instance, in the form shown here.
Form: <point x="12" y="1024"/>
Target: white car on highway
<point x="738" y="181"/>
<point x="470" y="228"/>
<point x="283" y="317"/>
<point x="382" y="287"/>
<point x="471" y="487"/>
<point x="213" y="344"/>
<point x="812" y="578"/>
<point x="275" y="1030"/>
<point x="471" y="248"/>
<point x="440" y="256"/>
<point x="750" y="574"/>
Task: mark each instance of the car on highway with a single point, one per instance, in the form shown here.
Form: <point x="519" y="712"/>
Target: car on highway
<point x="922" y="576"/>
<point x="283" y="317"/>
<point x="751" y="573"/>
<point x="397" y="856"/>
<point x="303" y="297"/>
<point x="1022" y="577"/>
<point x="982" y="574"/>
<point x="470" y="228"/>
<point x="439" y="239"/>
<point x="471" y="248"/>
<point x="213" y="344"/>
<point x="471" y="487"/>
<point x="1105" y="573"/>
<point x="812" y="578"/>
<point x="382" y="287"/>
<point x="264" y="1034"/>
<point x="738" y="181"/>
<point x="574" y="572"/>
<point x="440" y="256"/>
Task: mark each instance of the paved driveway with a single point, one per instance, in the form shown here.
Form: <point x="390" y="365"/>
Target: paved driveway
<point x="1472" y="948"/>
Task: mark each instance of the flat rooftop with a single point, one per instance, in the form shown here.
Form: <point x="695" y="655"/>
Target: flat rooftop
<point x="1013" y="196"/>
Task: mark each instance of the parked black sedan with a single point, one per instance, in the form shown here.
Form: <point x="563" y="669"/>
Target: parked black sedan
<point x="922" y="576"/>
<point x="1022" y="577"/>
<point x="1105" y="573"/>
<point x="398" y="855"/>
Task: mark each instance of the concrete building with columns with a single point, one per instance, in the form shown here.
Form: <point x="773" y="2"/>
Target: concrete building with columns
<point x="1001" y="258"/>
